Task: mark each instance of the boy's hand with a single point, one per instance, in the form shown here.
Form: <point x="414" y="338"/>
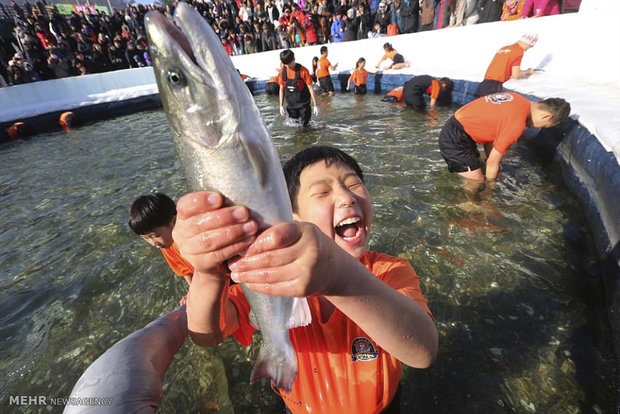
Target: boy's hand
<point x="207" y="234"/>
<point x="290" y="259"/>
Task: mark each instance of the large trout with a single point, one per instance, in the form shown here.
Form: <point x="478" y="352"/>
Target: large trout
<point x="224" y="146"/>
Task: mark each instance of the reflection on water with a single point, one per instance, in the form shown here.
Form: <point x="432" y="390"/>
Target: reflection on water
<point x="512" y="280"/>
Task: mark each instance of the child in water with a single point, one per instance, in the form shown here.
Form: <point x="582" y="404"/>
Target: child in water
<point x="368" y="312"/>
<point x="152" y="217"/>
<point x="358" y="77"/>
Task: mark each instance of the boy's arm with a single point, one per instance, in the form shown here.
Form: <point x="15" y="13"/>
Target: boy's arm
<point x="208" y="234"/>
<point x="207" y="300"/>
<point x="297" y="259"/>
<point x="492" y="167"/>
<point x="188" y="279"/>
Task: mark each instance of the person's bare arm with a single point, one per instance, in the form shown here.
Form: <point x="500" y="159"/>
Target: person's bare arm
<point x="297" y="259"/>
<point x="493" y="161"/>
<point x="517" y="73"/>
<point x="207" y="235"/>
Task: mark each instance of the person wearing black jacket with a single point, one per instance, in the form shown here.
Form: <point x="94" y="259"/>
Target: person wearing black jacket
<point x="410" y="15"/>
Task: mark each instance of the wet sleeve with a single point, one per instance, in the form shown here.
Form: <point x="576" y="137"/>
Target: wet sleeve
<point x="434" y="89"/>
<point x="177" y="263"/>
<point x="305" y="75"/>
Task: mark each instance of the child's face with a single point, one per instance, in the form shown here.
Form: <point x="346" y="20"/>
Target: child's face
<point x="362" y="64"/>
<point x="160" y="237"/>
<point x="336" y="200"/>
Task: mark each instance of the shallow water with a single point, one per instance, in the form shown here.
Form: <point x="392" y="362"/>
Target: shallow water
<point x="512" y="279"/>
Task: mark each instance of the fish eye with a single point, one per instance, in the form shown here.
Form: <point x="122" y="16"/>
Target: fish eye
<point x="175" y="78"/>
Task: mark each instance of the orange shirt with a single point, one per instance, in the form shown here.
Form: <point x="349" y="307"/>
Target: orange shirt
<point x="290" y="74"/>
<point x="434" y="89"/>
<point x="500" y="68"/>
<point x="341" y="370"/>
<point x="397" y="93"/>
<point x="359" y="76"/>
<point x="179" y="265"/>
<point x="389" y="55"/>
<point x="498" y="118"/>
<point x="322" y="69"/>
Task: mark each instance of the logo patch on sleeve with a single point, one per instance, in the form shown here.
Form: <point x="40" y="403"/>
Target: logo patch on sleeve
<point x="363" y="350"/>
<point x="498" y="98"/>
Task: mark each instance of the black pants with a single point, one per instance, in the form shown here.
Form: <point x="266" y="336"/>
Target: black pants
<point x="457" y="148"/>
<point x="487" y="87"/>
<point x="302" y="113"/>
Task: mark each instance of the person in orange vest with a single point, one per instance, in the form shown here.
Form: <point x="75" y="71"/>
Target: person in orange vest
<point x="296" y="87"/>
<point x="369" y="316"/>
<point x="17" y="130"/>
<point x="322" y="72"/>
<point x="152" y="217"/>
<point x="418" y="86"/>
<point x="496" y="122"/>
<point x="506" y="64"/>
<point x="359" y="77"/>
<point x="66" y="120"/>
<point x="395" y="95"/>
<point x="398" y="61"/>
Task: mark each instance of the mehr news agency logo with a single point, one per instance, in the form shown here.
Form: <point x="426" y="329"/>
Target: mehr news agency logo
<point x="42" y="400"/>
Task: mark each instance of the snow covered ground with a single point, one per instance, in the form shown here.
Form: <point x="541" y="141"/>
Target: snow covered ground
<point x="579" y="52"/>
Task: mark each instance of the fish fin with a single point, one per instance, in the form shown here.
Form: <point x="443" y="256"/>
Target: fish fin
<point x="282" y="369"/>
<point x="258" y="158"/>
<point x="300" y="315"/>
<point x="253" y="322"/>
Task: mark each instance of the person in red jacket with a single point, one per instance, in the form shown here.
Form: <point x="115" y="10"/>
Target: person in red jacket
<point x="506" y="64"/>
<point x="368" y="313"/>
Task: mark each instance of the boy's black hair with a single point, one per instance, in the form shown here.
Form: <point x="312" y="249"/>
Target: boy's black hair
<point x="287" y="56"/>
<point x="323" y="49"/>
<point x="309" y="156"/>
<point x="150" y="211"/>
<point x="448" y="82"/>
<point x="558" y="107"/>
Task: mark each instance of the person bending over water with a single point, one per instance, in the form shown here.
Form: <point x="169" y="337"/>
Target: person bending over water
<point x="496" y="121"/>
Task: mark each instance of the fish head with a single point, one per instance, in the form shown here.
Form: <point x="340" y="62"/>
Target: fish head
<point x="202" y="92"/>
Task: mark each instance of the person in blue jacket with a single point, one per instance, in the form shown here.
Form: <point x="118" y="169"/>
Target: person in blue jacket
<point x="337" y="29"/>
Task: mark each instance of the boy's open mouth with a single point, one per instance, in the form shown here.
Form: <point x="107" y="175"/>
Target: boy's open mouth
<point x="349" y="229"/>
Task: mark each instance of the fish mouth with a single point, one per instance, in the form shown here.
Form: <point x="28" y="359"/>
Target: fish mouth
<point x="188" y="43"/>
<point x="198" y="83"/>
<point x="349" y="230"/>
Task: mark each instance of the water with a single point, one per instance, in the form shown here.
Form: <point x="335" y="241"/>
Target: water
<point x="512" y="279"/>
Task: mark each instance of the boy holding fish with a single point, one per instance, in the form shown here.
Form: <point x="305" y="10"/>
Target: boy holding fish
<point x="368" y="312"/>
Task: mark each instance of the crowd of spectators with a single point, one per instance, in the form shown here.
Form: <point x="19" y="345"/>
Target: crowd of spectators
<point x="56" y="46"/>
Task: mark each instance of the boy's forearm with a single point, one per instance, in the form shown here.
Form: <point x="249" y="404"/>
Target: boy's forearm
<point x="397" y="323"/>
<point x="206" y="300"/>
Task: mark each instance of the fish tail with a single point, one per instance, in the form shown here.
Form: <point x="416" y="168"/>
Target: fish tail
<point x="300" y="314"/>
<point x="282" y="369"/>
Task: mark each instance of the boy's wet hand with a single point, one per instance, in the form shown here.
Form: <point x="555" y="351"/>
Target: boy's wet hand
<point x="207" y="233"/>
<point x="288" y="259"/>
